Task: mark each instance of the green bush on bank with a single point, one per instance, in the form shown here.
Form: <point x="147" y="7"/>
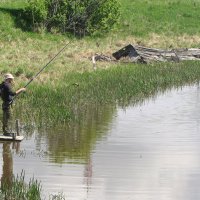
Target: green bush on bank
<point x="81" y="17"/>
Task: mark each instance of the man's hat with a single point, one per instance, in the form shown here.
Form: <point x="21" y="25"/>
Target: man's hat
<point x="7" y="76"/>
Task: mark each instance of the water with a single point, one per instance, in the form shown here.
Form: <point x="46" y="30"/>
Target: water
<point x="142" y="152"/>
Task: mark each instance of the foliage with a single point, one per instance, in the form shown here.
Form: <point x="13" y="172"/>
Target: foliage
<point x="78" y="16"/>
<point x="69" y="97"/>
<point x="18" y="189"/>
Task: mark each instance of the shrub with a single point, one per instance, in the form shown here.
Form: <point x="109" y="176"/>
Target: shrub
<point x="81" y="17"/>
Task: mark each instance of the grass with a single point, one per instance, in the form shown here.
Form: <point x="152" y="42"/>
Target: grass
<point x="69" y="91"/>
<point x="172" y="17"/>
<point x="18" y="189"/>
<point x="64" y="99"/>
<point x="165" y="24"/>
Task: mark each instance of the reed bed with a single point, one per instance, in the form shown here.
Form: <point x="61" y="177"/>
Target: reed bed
<point x="71" y="95"/>
<point x="18" y="189"/>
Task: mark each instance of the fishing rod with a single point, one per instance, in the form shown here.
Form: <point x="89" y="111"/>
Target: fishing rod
<point x="46" y="65"/>
<point x="42" y="69"/>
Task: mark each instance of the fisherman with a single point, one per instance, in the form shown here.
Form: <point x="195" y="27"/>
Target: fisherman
<point x="7" y="97"/>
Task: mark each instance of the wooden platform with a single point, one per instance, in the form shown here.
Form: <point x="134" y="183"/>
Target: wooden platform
<point x="10" y="138"/>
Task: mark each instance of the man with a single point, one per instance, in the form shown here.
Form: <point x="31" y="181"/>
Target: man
<point x="7" y="97"/>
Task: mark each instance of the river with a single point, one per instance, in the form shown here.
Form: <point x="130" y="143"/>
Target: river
<point x="146" y="151"/>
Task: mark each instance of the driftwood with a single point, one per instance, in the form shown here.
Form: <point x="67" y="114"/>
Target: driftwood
<point x="140" y="54"/>
<point x="144" y="55"/>
<point x="100" y="57"/>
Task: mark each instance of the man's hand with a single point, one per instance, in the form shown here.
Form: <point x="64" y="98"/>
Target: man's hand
<point x="20" y="90"/>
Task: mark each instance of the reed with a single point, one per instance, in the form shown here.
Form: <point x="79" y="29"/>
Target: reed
<point x="72" y="94"/>
<point x="18" y="189"/>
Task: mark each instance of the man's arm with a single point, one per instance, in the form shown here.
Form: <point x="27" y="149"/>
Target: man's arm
<point x="20" y="90"/>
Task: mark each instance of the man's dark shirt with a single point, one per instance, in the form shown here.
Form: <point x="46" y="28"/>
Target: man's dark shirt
<point x="7" y="94"/>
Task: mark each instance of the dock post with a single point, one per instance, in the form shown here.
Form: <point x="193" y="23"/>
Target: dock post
<point x="17" y="127"/>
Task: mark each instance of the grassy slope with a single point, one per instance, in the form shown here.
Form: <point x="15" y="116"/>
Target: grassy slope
<point x="172" y="17"/>
<point x="152" y="22"/>
<point x="155" y="23"/>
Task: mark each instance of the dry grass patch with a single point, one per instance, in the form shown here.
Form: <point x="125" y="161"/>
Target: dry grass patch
<point x="27" y="57"/>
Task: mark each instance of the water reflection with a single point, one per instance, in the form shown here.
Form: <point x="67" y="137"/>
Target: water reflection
<point x="143" y="152"/>
<point x="88" y="172"/>
<point x="76" y="141"/>
<point x="7" y="166"/>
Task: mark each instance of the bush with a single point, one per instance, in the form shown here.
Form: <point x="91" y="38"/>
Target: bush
<point x="81" y="17"/>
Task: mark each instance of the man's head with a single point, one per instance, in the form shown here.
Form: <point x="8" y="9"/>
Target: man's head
<point x="9" y="77"/>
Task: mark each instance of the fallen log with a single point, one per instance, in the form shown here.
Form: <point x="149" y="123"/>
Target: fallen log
<point x="145" y="55"/>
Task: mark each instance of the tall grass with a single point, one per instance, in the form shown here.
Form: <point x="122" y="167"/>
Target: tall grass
<point x="71" y="95"/>
<point x="18" y="189"/>
<point x="54" y="95"/>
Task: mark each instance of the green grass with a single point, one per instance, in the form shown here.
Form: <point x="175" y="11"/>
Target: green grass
<point x="166" y="24"/>
<point x="172" y="17"/>
<point x="64" y="99"/>
<point x="170" y="23"/>
<point x="18" y="189"/>
<point x="70" y="91"/>
<point x="139" y="18"/>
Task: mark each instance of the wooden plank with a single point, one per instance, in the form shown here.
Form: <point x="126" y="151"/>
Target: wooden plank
<point x="144" y="54"/>
<point x="10" y="138"/>
<point x="126" y="51"/>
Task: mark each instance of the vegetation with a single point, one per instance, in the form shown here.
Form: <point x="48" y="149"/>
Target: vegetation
<point x="18" y="189"/>
<point x="79" y="17"/>
<point x="23" y="53"/>
<point x="69" y="90"/>
<point x="171" y="17"/>
<point x="74" y="93"/>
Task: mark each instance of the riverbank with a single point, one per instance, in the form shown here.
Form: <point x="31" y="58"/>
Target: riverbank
<point x="69" y="86"/>
<point x="24" y="52"/>
<point x="67" y="98"/>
